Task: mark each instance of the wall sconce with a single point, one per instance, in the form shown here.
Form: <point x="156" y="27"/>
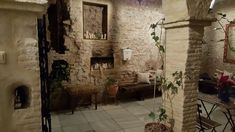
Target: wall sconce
<point x="126" y="54"/>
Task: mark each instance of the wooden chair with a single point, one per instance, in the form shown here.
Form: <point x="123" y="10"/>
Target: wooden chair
<point x="230" y="115"/>
<point x="203" y="123"/>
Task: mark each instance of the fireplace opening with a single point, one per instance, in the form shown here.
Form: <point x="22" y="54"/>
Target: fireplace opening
<point x="21" y="97"/>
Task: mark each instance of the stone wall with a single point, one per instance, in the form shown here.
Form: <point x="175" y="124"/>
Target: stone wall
<point x="213" y="51"/>
<point x="128" y="27"/>
<point x="92" y="18"/>
<point x="32" y="1"/>
<point x="18" y="38"/>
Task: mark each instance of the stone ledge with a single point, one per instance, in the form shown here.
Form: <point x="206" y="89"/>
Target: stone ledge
<point x="22" y="6"/>
<point x="187" y="23"/>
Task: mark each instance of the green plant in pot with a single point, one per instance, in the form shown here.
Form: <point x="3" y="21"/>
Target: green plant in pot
<point x="58" y="95"/>
<point x="111" y="86"/>
<point x="160" y="120"/>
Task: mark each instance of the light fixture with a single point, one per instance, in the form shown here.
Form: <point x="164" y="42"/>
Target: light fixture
<point x="211" y="6"/>
<point x="213" y="2"/>
<point x="126" y="54"/>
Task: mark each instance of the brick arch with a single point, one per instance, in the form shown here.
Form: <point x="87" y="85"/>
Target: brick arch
<point x="198" y="9"/>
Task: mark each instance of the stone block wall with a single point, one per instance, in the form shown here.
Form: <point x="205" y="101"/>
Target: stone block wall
<point x="92" y="18"/>
<point x="213" y="51"/>
<point x="18" y="38"/>
<point x="128" y="27"/>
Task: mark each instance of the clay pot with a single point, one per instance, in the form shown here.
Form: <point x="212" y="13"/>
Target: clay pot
<point x="112" y="90"/>
<point x="156" y="127"/>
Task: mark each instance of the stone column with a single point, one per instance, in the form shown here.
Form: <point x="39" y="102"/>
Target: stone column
<point x="185" y="22"/>
<point x="18" y="40"/>
<point x="183" y="52"/>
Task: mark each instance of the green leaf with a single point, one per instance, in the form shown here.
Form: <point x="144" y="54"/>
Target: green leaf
<point x="161" y="48"/>
<point x="178" y="82"/>
<point x="153" y="33"/>
<point x="153" y="26"/>
<point x="155" y="38"/>
<point x="170" y="85"/>
<point x="174" y="90"/>
<point x="232" y="49"/>
<point x="152" y="115"/>
<point x="162" y="115"/>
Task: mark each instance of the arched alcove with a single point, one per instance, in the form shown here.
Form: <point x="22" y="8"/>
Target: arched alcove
<point x="21" y="95"/>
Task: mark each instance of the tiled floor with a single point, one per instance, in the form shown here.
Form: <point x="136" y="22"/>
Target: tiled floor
<point x="124" y="117"/>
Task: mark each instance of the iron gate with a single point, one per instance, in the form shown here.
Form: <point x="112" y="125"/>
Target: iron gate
<point x="43" y="63"/>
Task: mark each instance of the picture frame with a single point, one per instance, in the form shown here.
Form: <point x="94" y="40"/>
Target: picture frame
<point x="229" y="43"/>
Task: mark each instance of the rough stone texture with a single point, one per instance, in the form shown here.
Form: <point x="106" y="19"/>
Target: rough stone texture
<point x="198" y="10"/>
<point x="18" y="38"/>
<point x="213" y="51"/>
<point x="128" y="27"/>
<point x="32" y="1"/>
<point x="92" y="19"/>
<point x="175" y="10"/>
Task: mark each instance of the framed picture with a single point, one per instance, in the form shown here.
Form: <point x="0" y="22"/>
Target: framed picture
<point x="229" y="45"/>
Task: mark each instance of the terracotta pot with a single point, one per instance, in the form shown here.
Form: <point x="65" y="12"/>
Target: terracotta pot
<point x="112" y="90"/>
<point x="156" y="127"/>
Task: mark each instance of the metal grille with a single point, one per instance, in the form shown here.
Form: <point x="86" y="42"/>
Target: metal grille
<point x="43" y="63"/>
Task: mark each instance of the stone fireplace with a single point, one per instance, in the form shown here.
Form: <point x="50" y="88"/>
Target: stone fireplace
<point x="19" y="68"/>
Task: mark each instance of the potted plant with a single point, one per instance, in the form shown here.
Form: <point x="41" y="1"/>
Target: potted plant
<point x="169" y="88"/>
<point x="111" y="86"/>
<point x="58" y="96"/>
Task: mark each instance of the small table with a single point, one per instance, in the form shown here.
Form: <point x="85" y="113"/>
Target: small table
<point x="216" y="102"/>
<point x="78" y="90"/>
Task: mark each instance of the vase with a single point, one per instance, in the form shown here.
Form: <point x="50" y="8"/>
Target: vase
<point x="112" y="90"/>
<point x="223" y="95"/>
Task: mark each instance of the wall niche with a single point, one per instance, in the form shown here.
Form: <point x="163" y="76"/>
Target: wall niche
<point x="95" y="21"/>
<point x="104" y="62"/>
<point x="21" y="97"/>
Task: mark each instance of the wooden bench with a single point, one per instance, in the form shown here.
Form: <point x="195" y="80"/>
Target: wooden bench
<point x="139" y="89"/>
<point x="204" y="123"/>
<point x="76" y="91"/>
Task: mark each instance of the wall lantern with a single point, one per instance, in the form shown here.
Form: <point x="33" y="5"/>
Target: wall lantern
<point x="126" y="54"/>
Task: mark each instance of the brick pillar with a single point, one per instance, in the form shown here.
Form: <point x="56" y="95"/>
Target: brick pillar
<point x="183" y="52"/>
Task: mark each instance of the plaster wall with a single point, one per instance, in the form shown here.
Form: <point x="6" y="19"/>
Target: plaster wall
<point x="213" y="51"/>
<point x="18" y="38"/>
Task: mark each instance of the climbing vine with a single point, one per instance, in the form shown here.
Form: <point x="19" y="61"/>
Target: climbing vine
<point x="223" y="16"/>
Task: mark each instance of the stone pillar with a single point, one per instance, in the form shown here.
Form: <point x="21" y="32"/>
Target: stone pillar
<point x="185" y="22"/>
<point x="20" y="69"/>
<point x="183" y="52"/>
